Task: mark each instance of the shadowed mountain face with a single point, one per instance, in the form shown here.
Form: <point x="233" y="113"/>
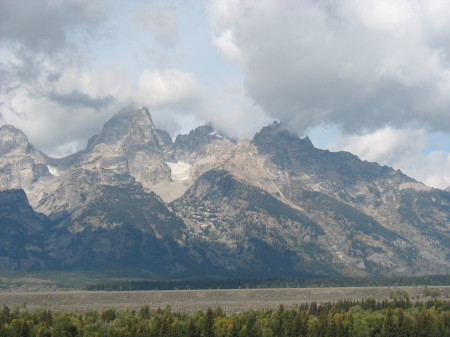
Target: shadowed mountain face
<point x="207" y="206"/>
<point x="21" y="233"/>
<point x="242" y="227"/>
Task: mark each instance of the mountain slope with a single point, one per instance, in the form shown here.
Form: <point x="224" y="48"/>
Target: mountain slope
<point x="374" y="190"/>
<point x="120" y="227"/>
<point x="21" y="233"/>
<point x="244" y="228"/>
<point x="206" y="205"/>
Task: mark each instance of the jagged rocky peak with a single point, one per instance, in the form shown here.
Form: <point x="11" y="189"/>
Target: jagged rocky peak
<point x="273" y="205"/>
<point x="275" y="136"/>
<point x="130" y="143"/>
<point x="447" y="189"/>
<point x="129" y="128"/>
<point x="20" y="163"/>
<point x="166" y="144"/>
<point x="332" y="171"/>
<point x="13" y="141"/>
<point x="197" y="139"/>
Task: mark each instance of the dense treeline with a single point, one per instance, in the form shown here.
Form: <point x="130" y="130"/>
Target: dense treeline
<point x="345" y="318"/>
<point x="125" y="285"/>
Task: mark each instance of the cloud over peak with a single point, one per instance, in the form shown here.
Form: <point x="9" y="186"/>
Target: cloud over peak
<point x="376" y="73"/>
<point x="358" y="65"/>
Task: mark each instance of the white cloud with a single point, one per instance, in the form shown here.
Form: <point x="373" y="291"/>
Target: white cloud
<point x="49" y="87"/>
<point x="378" y="71"/>
<point x="162" y="87"/>
<point x="46" y="26"/>
<point x="392" y="17"/>
<point x="161" y="23"/>
<point x="60" y="113"/>
<point x="231" y="113"/>
<point x="226" y="43"/>
<point x="436" y="169"/>
<point x="361" y="65"/>
<point x="385" y="145"/>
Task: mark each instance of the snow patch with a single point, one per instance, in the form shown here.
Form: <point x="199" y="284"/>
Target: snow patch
<point x="53" y="170"/>
<point x="214" y="133"/>
<point x="179" y="170"/>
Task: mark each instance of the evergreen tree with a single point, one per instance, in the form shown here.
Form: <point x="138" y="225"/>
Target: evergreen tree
<point x="164" y="328"/>
<point x="322" y="327"/>
<point x="144" y="312"/>
<point x="208" y="326"/>
<point x="20" y="328"/>
<point x="313" y="308"/>
<point x="278" y="328"/>
<point x="389" y="326"/>
<point x="192" y="330"/>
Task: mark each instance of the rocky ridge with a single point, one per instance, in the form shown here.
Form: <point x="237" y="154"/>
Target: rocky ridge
<point x="273" y="205"/>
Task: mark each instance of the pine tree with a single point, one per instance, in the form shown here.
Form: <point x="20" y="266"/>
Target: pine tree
<point x="192" y="330"/>
<point x="389" y="325"/>
<point x="299" y="329"/>
<point x="144" y="313"/>
<point x="208" y="326"/>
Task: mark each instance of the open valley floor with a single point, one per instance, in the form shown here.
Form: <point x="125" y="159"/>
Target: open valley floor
<point x="190" y="301"/>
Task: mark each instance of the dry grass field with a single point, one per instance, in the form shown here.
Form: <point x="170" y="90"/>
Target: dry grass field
<point x="190" y="301"/>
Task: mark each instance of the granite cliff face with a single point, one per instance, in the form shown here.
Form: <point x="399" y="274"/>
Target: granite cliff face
<point x="21" y="165"/>
<point x="274" y="205"/>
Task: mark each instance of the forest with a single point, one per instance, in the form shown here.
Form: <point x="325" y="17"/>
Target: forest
<point x="399" y="317"/>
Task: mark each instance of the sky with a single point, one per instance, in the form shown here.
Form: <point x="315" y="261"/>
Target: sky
<point x="370" y="77"/>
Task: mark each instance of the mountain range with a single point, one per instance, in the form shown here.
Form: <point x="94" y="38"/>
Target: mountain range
<point x="205" y="205"/>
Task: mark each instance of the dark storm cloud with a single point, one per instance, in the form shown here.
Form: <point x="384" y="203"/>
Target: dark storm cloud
<point x="77" y="99"/>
